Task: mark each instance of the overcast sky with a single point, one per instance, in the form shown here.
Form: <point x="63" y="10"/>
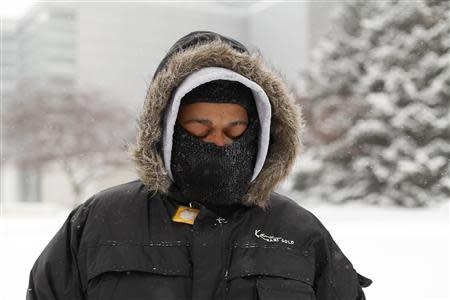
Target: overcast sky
<point x="14" y="8"/>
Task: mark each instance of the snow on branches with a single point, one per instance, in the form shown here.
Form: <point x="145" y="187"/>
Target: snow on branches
<point x="389" y="61"/>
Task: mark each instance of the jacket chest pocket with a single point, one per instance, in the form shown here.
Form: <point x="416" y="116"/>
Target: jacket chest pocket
<point x="269" y="273"/>
<point x="138" y="272"/>
<point x="283" y="288"/>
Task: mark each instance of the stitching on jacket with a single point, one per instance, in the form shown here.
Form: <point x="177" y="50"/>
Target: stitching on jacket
<point x="151" y="244"/>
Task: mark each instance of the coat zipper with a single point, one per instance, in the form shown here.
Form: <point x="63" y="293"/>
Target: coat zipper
<point x="222" y="221"/>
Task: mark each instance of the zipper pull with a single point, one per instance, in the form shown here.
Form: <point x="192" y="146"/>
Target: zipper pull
<point x="221" y="220"/>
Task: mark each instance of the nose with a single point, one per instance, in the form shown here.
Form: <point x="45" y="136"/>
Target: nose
<point x="218" y="138"/>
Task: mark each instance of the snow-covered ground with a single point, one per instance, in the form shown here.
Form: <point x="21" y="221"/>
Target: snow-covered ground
<point x="404" y="251"/>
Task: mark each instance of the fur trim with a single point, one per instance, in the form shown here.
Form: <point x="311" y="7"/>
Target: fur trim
<point x="286" y="125"/>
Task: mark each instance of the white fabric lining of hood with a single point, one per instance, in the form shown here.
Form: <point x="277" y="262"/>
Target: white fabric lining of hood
<point x="200" y="77"/>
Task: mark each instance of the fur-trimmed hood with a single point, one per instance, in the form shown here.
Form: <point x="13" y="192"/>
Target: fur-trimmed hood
<point x="203" y="49"/>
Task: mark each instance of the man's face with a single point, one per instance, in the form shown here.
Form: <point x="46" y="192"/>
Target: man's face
<point x="218" y="123"/>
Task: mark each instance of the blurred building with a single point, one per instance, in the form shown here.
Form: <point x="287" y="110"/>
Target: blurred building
<point x="9" y="59"/>
<point x="115" y="47"/>
<point x="47" y="40"/>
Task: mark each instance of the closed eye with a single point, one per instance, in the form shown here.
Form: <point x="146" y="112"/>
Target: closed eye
<point x="237" y="129"/>
<point x="198" y="129"/>
<point x="201" y="128"/>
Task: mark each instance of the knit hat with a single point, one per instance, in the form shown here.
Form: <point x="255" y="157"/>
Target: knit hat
<point x="223" y="91"/>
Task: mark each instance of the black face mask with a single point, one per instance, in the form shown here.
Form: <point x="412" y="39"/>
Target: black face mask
<point x="216" y="176"/>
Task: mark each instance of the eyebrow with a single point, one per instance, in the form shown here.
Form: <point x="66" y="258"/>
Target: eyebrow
<point x="209" y="122"/>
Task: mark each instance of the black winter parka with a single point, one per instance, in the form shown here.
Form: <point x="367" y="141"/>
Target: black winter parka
<point x="122" y="243"/>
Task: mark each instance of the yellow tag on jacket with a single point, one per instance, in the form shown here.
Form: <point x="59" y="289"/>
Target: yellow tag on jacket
<point x="186" y="215"/>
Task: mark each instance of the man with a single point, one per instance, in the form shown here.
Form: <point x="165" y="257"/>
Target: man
<point x="218" y="132"/>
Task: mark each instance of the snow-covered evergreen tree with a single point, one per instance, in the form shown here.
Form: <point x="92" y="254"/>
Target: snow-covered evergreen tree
<point x="379" y="89"/>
